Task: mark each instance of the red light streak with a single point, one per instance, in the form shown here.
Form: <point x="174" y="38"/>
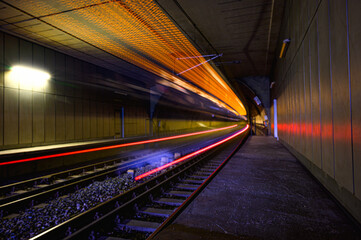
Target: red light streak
<point x="191" y="154"/>
<point x="116" y="146"/>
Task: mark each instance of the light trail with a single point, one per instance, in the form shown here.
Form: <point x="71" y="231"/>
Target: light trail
<point x="191" y="154"/>
<point x="116" y="146"/>
<point x="140" y="33"/>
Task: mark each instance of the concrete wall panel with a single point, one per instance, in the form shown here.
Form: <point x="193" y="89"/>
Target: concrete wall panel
<point x="11" y="116"/>
<point x="312" y="7"/>
<point x="355" y="63"/>
<point x="100" y="120"/>
<point x="38" y="62"/>
<point x="292" y="107"/>
<point x="49" y="65"/>
<point x="106" y="114"/>
<point x="111" y="122"/>
<point x="299" y="86"/>
<point x="290" y="110"/>
<point x="296" y="106"/>
<point x="26" y="59"/>
<point x="50" y="118"/>
<point x="25" y="53"/>
<point x="128" y="122"/>
<point x="117" y="123"/>
<point x="38" y="117"/>
<point x="303" y="19"/>
<point x="11" y="58"/>
<point x="86" y="120"/>
<point x="315" y="95"/>
<point x="2" y="67"/>
<point x="60" y="127"/>
<point x="328" y="88"/>
<point x="1" y="117"/>
<point x="69" y="71"/>
<point x="302" y="100"/>
<point x="93" y="119"/>
<point x="308" y="110"/>
<point x="325" y="90"/>
<point x="78" y="119"/>
<point x="78" y="73"/>
<point x="25" y="117"/>
<point x="38" y="57"/>
<point x="69" y="118"/>
<point x="78" y="77"/>
<point x="296" y="22"/>
<point x="341" y="98"/>
<point x="59" y="74"/>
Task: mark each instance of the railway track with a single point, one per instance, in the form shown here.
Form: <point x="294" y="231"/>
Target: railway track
<point x="73" y="180"/>
<point x="31" y="192"/>
<point x="150" y="205"/>
<point x="20" y="189"/>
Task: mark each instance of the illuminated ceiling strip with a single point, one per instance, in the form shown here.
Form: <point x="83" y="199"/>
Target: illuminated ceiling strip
<point x="191" y="154"/>
<point x="116" y="146"/>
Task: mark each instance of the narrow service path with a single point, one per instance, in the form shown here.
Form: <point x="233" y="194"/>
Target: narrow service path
<point x="262" y="193"/>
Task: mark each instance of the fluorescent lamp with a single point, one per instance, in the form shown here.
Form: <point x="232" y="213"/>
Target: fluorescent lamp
<point x="284" y="47"/>
<point x="256" y="99"/>
<point x="28" y="76"/>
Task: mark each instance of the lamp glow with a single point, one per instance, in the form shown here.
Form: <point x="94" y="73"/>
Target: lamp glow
<point x="30" y="77"/>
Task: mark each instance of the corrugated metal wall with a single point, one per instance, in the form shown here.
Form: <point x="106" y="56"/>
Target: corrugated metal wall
<point x="318" y="88"/>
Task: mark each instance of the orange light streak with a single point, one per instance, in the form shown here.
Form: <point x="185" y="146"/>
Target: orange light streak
<point x="140" y="33"/>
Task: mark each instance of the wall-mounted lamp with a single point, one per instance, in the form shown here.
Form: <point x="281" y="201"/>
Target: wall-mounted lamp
<point x="272" y="84"/>
<point x="256" y="99"/>
<point x="28" y="76"/>
<point x="284" y="47"/>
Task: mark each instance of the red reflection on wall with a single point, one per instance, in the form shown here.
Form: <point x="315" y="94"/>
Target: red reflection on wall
<point x="325" y="130"/>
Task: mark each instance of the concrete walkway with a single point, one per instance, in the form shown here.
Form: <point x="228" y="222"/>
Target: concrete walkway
<point x="262" y="193"/>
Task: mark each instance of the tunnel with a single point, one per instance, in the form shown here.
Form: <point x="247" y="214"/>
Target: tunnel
<point x="180" y="119"/>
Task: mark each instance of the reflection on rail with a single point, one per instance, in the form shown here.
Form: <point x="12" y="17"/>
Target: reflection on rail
<point x="116" y="146"/>
<point x="192" y="154"/>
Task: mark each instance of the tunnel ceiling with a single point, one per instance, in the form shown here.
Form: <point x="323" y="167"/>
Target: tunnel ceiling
<point x="125" y="35"/>
<point x="244" y="31"/>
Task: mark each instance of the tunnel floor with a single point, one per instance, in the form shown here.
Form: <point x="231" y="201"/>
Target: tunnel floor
<point x="262" y="193"/>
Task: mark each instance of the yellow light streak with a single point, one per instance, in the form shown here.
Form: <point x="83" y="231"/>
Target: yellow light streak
<point x="140" y="33"/>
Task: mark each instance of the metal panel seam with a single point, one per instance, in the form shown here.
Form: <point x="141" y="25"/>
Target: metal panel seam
<point x="349" y="88"/>
<point x="319" y="88"/>
<point x="333" y="128"/>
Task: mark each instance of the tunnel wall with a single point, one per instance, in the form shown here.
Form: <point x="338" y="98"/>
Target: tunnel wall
<point x="63" y="111"/>
<point x="74" y="105"/>
<point x="318" y="92"/>
<point x="169" y="120"/>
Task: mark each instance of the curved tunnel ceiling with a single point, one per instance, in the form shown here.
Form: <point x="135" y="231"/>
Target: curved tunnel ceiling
<point x="246" y="32"/>
<point x="140" y="33"/>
